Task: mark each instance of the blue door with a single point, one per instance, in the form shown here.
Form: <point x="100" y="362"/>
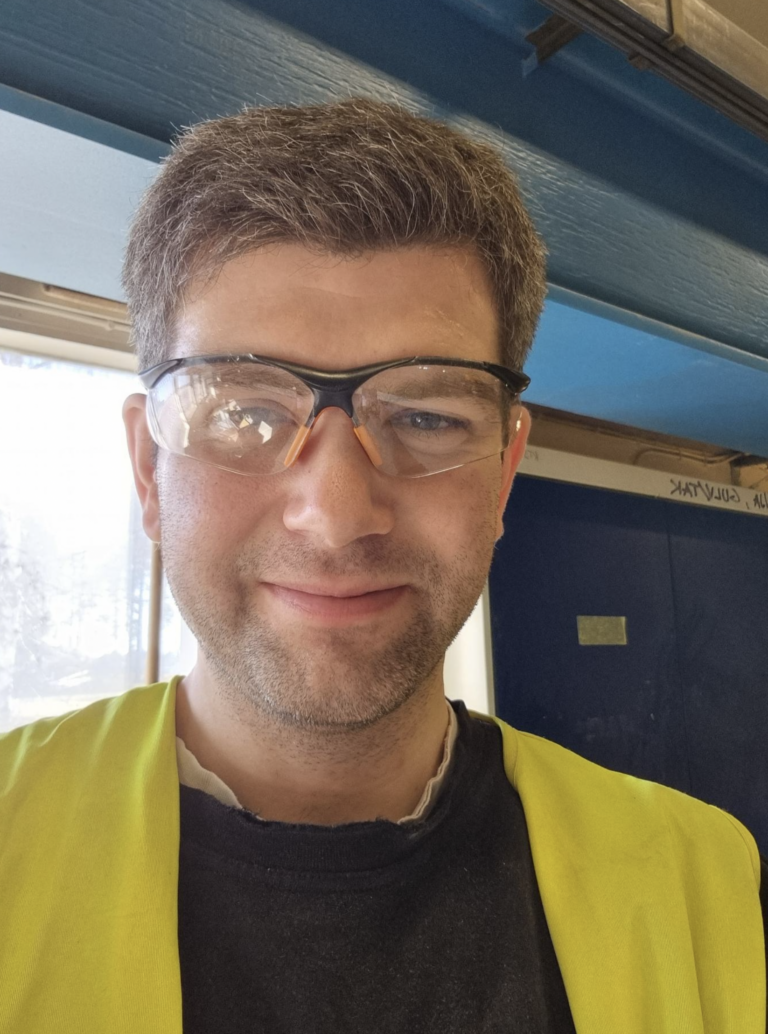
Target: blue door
<point x="685" y="701"/>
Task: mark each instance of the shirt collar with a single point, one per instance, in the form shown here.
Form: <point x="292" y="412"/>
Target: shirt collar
<point x="192" y="774"/>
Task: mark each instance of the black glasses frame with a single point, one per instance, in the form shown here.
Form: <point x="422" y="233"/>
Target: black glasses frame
<point x="335" y="388"/>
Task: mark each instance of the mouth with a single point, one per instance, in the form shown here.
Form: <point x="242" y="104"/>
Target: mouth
<point x="336" y="604"/>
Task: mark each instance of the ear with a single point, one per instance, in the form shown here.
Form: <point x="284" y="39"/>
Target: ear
<point x="140" y="446"/>
<point x="511" y="461"/>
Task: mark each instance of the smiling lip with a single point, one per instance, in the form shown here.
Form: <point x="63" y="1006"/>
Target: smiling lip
<point x="335" y="605"/>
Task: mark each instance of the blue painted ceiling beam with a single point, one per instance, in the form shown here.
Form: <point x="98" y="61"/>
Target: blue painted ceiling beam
<point x="152" y="67"/>
<point x="674" y="152"/>
<point x="648" y="200"/>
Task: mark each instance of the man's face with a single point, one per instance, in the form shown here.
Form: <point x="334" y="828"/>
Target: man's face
<point x="255" y="563"/>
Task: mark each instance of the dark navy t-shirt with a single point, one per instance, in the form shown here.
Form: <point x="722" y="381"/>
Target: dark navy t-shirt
<point x="435" y="926"/>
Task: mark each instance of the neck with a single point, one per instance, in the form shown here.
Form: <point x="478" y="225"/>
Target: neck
<point x="289" y="774"/>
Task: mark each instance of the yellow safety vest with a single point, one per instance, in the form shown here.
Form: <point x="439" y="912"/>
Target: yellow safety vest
<point x="651" y="896"/>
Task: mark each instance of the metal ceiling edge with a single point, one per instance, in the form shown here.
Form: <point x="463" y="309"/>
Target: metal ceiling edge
<point x="605" y="310"/>
<point x="684" y="64"/>
<point x="37" y="109"/>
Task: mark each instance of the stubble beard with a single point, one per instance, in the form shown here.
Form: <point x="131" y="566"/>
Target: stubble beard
<point x="340" y="679"/>
<point x="330" y="678"/>
<point x="335" y="679"/>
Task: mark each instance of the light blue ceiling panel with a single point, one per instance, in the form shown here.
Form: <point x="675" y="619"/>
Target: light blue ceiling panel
<point x="65" y="205"/>
<point x="591" y="364"/>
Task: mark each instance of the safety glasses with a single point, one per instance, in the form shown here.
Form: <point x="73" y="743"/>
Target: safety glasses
<point x="252" y="414"/>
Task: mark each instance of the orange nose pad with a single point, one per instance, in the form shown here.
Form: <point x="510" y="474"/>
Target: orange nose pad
<point x="298" y="444"/>
<point x="362" y="436"/>
<point x="369" y="445"/>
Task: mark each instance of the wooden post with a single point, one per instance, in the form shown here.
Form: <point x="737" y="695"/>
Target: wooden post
<point x="152" y="673"/>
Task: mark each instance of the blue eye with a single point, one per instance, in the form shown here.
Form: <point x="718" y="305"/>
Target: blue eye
<point x="426" y="422"/>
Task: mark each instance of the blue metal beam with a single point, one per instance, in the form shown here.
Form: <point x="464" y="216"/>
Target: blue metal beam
<point x="649" y="202"/>
<point x="634" y="214"/>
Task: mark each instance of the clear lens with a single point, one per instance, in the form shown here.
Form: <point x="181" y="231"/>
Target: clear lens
<point x="425" y="419"/>
<point x="243" y="418"/>
<point x="246" y="417"/>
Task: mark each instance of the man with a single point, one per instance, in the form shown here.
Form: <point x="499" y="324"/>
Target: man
<point x="332" y="306"/>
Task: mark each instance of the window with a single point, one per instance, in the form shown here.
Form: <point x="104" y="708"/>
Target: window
<point x="74" y="558"/>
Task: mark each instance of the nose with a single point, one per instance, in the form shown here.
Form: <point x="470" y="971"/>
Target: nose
<point x="335" y="493"/>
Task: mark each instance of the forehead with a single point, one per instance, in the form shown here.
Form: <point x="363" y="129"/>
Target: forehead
<point x="337" y="312"/>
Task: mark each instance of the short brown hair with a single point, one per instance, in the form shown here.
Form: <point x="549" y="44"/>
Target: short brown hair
<point x="342" y="178"/>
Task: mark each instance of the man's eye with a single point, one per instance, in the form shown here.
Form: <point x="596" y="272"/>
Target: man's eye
<point x="242" y="417"/>
<point x="424" y="421"/>
<point x="247" y="423"/>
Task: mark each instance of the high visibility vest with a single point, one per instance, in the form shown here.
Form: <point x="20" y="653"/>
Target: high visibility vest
<point x="651" y="896"/>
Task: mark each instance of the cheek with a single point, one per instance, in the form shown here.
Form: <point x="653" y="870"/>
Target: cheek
<point x="204" y="512"/>
<point x="208" y="516"/>
<point x="456" y="514"/>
